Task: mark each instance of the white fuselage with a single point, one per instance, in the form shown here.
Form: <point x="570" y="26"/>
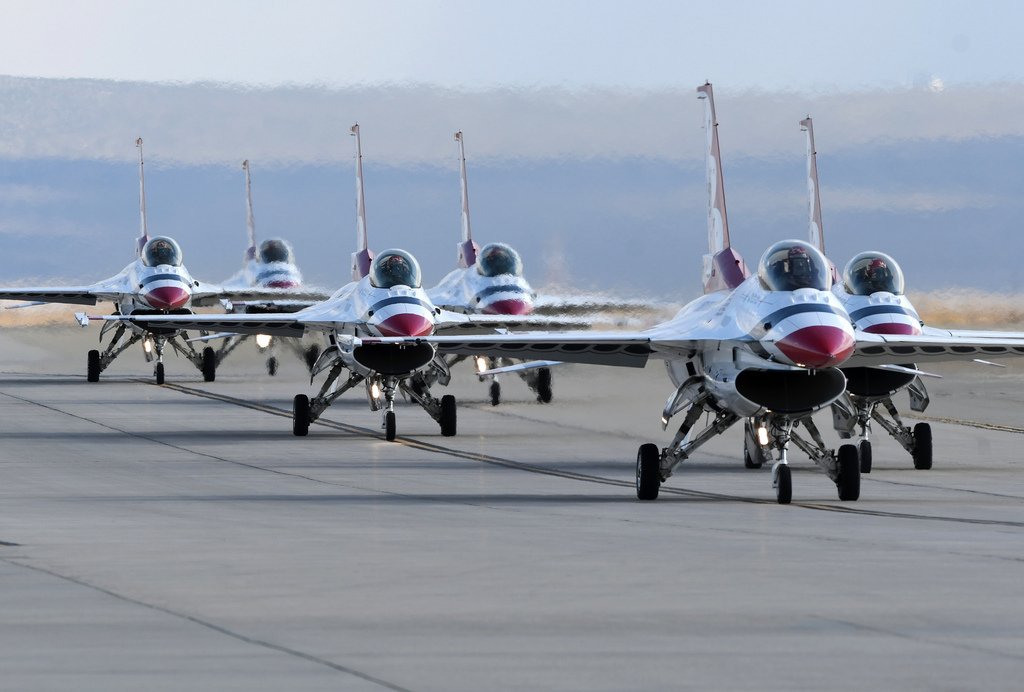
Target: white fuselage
<point x="798" y="331"/>
<point x="272" y="274"/>
<point x="468" y="291"/>
<point x="880" y="313"/>
<point x="163" y="287"/>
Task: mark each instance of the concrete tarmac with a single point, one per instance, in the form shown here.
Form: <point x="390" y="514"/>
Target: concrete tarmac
<point x="180" y="538"/>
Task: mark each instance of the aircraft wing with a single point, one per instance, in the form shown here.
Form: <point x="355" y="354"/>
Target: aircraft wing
<point x="458" y="323"/>
<point x="113" y="289"/>
<point x="278" y="324"/>
<point x="211" y="294"/>
<point x="935" y="346"/>
<point x="587" y="304"/>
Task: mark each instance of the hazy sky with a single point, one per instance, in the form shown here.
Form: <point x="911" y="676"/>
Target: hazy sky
<point x="803" y="45"/>
<point x="582" y="126"/>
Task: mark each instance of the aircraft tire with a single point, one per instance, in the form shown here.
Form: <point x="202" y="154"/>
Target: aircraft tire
<point x="849" y="474"/>
<point x="922" y="446"/>
<point x="648" y="472"/>
<point x="159" y="373"/>
<point x="272" y="366"/>
<point x="92" y="372"/>
<point x="300" y="415"/>
<point x="784" y="488"/>
<point x="544" y="385"/>
<point x="390" y="426"/>
<point x="209" y="364"/>
<point x="864" y="451"/>
<point x="448" y="415"/>
<point x="495" y="393"/>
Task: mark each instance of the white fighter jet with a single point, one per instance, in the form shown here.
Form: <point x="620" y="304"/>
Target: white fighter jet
<point x="384" y="299"/>
<point x="156" y="283"/>
<point x="764" y="347"/>
<point x="488" y="281"/>
<point x="872" y="289"/>
<point x="269" y="265"/>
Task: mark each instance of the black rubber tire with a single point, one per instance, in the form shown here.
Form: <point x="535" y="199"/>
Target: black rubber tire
<point x="495" y="393"/>
<point x="159" y="373"/>
<point x="272" y="366"/>
<point x="648" y="472"/>
<point x="544" y="385"/>
<point x="922" y="446"/>
<point x="448" y="415"/>
<point x="784" y="488"/>
<point x="92" y="370"/>
<point x="849" y="474"/>
<point x="311" y="354"/>
<point x="864" y="452"/>
<point x="390" y="426"/>
<point x="209" y="364"/>
<point x="300" y="415"/>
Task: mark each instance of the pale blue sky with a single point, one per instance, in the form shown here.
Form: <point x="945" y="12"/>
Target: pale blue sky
<point x="790" y="45"/>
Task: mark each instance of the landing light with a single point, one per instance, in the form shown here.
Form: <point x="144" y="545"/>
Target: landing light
<point x="147" y="345"/>
<point x="481" y="363"/>
<point x="375" y="390"/>
<point x="263" y="340"/>
<point x="762" y="436"/>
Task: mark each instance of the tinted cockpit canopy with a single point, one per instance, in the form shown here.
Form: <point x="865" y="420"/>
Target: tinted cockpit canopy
<point x="872" y="272"/>
<point x="276" y="250"/>
<point x="395" y="268"/>
<point x="497" y="258"/>
<point x="792" y="264"/>
<point x="161" y="250"/>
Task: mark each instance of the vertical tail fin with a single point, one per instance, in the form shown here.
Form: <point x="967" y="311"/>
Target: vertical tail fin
<point x="362" y="257"/>
<point x="815" y="229"/>
<point x="723" y="267"/>
<point x="144" y="229"/>
<point x="467" y="248"/>
<point x="817" y="235"/>
<point x="250" y="219"/>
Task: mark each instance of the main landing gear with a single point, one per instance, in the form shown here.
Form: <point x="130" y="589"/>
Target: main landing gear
<point x="765" y="438"/>
<point x="852" y="412"/>
<point x="153" y="346"/>
<point x="380" y="390"/>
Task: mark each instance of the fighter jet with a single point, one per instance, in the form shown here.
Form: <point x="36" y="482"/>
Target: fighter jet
<point x="155" y="283"/>
<point x="269" y="265"/>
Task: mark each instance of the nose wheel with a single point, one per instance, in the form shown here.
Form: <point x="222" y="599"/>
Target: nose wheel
<point x="648" y="472"/>
<point x="159" y="373"/>
<point x="848" y="482"/>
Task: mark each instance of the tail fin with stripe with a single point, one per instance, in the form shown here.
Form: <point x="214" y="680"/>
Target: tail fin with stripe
<point x="467" y="248"/>
<point x="144" y="230"/>
<point x="723" y="267"/>
<point x="815" y="229"/>
<point x="250" y="219"/>
<point x="362" y="257"/>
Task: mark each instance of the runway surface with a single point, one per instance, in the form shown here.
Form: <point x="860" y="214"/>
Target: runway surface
<point x="179" y="537"/>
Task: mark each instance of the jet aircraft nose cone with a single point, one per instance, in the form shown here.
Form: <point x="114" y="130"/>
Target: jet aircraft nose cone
<point x="405" y="324"/>
<point x="167" y="297"/>
<point x="819" y="346"/>
<point x="508" y="307"/>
